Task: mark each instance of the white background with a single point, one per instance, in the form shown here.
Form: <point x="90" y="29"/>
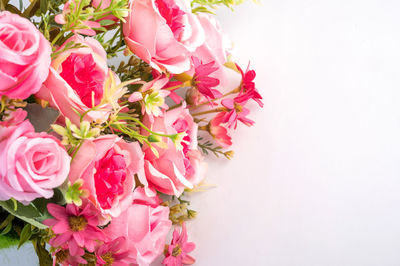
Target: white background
<point x="316" y="181"/>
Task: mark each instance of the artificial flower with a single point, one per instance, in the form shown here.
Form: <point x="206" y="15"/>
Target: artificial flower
<point x="236" y="112"/>
<point x="24" y="56"/>
<point x="107" y="165"/>
<point x="80" y="80"/>
<point x="163" y="32"/>
<point x="218" y="131"/>
<point x="202" y="80"/>
<point x="144" y="225"/>
<point x="177" y="251"/>
<point x="74" y="226"/>
<point x="113" y="253"/>
<point x="31" y="164"/>
<point x="173" y="170"/>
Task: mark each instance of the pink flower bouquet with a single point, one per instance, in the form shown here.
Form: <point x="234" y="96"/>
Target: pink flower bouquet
<point x="97" y="160"/>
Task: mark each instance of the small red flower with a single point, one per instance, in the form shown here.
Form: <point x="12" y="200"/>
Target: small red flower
<point x="236" y="111"/>
<point x="202" y="81"/>
<point x="247" y="87"/>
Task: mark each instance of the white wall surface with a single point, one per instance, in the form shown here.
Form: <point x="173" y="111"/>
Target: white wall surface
<point x="316" y="181"/>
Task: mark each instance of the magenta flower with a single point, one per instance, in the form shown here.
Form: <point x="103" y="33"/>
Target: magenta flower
<point x="112" y="253"/>
<point x="202" y="80"/>
<point x="75" y="227"/>
<point x="177" y="252"/>
<point x="236" y="111"/>
<point x="247" y="87"/>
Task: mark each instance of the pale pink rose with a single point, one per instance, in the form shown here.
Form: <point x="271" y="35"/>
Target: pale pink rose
<point x="79" y="80"/>
<point x="24" y="56"/>
<point x="107" y="165"/>
<point x="173" y="170"/>
<point x="215" y="49"/>
<point x="31" y="164"/>
<point x="145" y="225"/>
<point x="163" y="32"/>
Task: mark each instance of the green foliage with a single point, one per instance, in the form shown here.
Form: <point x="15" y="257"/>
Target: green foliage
<point x="26" y="234"/>
<point x="208" y="147"/>
<point x="35" y="212"/>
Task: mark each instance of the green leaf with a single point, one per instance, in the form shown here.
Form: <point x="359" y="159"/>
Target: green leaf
<point x="107" y="22"/>
<point x="26" y="213"/>
<point x="6" y="221"/>
<point x="7" y="229"/>
<point x="42" y="253"/>
<point x="26" y="233"/>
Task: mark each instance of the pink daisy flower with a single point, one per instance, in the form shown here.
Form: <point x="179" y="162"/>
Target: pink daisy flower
<point x="247" y="87"/>
<point x="236" y="111"/>
<point x="177" y="252"/>
<point x="75" y="227"/>
<point x="112" y="253"/>
<point x="202" y="80"/>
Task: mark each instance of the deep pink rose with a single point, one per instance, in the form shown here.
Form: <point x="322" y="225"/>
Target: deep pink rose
<point x="107" y="165"/>
<point x="214" y="49"/>
<point x="163" y="32"/>
<point x="79" y="80"/>
<point x="31" y="164"/>
<point x="173" y="170"/>
<point x="145" y="225"/>
<point x="24" y="56"/>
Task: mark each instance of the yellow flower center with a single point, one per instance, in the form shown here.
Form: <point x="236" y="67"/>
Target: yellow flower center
<point x="77" y="223"/>
<point x="238" y="108"/>
<point x="108" y="258"/>
<point x="176" y="251"/>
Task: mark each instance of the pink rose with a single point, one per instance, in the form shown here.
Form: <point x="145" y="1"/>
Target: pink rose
<point x="145" y="225"/>
<point x="173" y="170"/>
<point x="79" y="80"/>
<point x="24" y="56"/>
<point x="214" y="49"/>
<point x="31" y="164"/>
<point x="163" y="32"/>
<point x="107" y="165"/>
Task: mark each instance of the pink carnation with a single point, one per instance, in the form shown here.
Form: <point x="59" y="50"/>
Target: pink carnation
<point x="79" y="80"/>
<point x="173" y="170"/>
<point x="107" y="165"/>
